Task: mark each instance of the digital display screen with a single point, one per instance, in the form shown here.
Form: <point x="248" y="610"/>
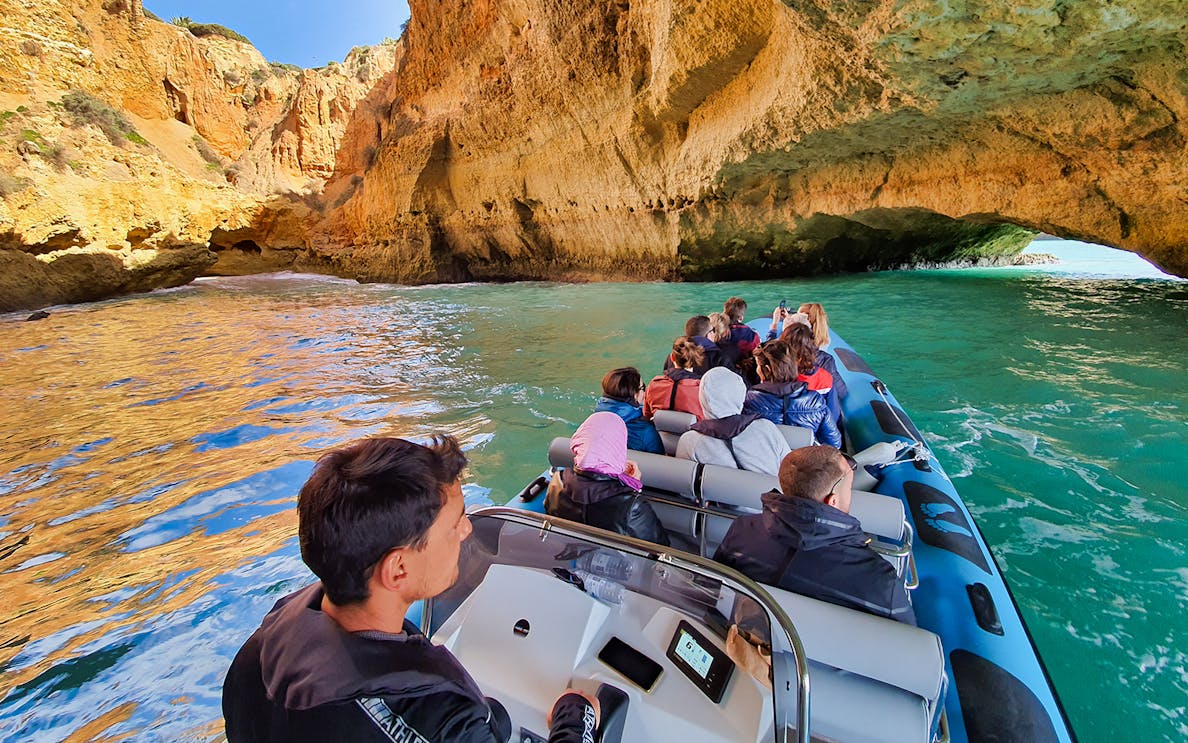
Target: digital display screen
<point x="690" y="651"/>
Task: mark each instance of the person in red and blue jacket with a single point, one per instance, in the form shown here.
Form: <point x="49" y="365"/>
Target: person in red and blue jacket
<point x="783" y="399"/>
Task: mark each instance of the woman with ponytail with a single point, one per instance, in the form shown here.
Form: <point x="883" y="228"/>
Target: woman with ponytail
<point x="676" y="389"/>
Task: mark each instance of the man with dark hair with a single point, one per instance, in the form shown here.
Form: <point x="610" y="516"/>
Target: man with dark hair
<point x="696" y="329"/>
<point x="381" y="523"/>
<point x="806" y="541"/>
<point x="742" y="340"/>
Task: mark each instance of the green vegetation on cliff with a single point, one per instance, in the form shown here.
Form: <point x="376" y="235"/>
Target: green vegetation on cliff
<point x="208" y="29"/>
<point x="87" y="109"/>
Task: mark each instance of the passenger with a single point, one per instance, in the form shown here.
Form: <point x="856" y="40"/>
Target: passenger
<point x="623" y="394"/>
<point x="781" y="319"/>
<point x="814" y="366"/>
<point x="727" y="436"/>
<point x="603" y="487"/>
<point x="719" y="333"/>
<point x="697" y="330"/>
<point x="676" y="388"/>
<point x="381" y="523"/>
<point x="740" y="340"/>
<point x="806" y="540"/>
<point x="800" y="339"/>
<point x="819" y="322"/>
<point x="780" y="398"/>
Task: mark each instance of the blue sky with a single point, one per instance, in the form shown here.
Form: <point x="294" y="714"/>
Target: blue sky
<point x="308" y="33"/>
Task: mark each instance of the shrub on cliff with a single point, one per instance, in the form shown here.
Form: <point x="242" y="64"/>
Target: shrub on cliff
<point x="87" y="109"/>
<point x="210" y="156"/>
<point x="11" y="184"/>
<point x="208" y="29"/>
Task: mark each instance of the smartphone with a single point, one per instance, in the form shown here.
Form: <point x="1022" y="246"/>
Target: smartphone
<point x="784" y="305"/>
<point x="634" y="666"/>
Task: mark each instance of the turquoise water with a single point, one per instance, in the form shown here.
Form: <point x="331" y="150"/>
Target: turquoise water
<point x="152" y="448"/>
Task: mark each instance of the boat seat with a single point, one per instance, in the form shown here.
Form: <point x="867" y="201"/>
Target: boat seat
<point x="671" y="424"/>
<point x="733" y="492"/>
<point x="797" y="437"/>
<point x="664" y="478"/>
<point x="873" y="679"/>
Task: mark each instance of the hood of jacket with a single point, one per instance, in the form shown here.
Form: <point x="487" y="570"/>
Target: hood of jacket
<point x="628" y="411"/>
<point x="676" y="374"/>
<point x="808" y="525"/>
<point x="722" y="393"/>
<point x="725" y="428"/>
<point x="308" y="660"/>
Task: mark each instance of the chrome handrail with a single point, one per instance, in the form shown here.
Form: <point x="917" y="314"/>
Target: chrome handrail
<point x="695" y="563"/>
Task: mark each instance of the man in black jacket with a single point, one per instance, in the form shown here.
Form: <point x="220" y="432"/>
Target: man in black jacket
<point x="381" y="523"/>
<point x="806" y="541"/>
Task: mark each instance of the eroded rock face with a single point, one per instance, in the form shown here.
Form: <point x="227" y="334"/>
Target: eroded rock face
<point x="715" y="138"/>
<point x="217" y="142"/>
<point x="658" y="139"/>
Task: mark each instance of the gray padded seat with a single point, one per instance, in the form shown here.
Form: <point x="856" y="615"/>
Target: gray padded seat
<point x="738" y="492"/>
<point x="873" y="679"/>
<point x="796" y="436"/>
<point x="674" y="478"/>
<point x="671" y="424"/>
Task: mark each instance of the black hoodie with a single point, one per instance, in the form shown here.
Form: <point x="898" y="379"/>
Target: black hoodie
<point x="301" y="677"/>
<point x="815" y="550"/>
<point x="602" y="501"/>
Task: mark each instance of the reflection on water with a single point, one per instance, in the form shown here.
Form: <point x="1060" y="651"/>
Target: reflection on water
<point x="153" y="448"/>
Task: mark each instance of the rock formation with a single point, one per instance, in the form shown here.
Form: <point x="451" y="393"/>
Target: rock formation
<point x="706" y="138"/>
<point x="136" y="155"/>
<point x="605" y="139"/>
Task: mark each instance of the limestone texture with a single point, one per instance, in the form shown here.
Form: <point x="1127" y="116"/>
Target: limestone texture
<point x="188" y="155"/>
<point x="609" y="139"/>
<point x="750" y="138"/>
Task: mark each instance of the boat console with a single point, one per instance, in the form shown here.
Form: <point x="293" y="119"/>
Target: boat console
<point x="698" y="651"/>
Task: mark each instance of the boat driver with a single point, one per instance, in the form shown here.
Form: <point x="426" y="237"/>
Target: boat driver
<point x="381" y="523"/>
<point x="806" y="541"/>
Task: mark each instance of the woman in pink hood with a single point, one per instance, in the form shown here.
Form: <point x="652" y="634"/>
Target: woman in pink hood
<point x="603" y="488"/>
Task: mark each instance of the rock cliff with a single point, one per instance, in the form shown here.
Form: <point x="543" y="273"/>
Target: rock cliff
<point x="707" y="138"/>
<point x="136" y="154"/>
<point x="605" y="139"/>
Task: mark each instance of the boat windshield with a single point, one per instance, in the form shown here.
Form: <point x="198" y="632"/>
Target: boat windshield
<point x="542" y="604"/>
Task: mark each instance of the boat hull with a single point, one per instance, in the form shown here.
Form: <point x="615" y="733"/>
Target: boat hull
<point x="999" y="689"/>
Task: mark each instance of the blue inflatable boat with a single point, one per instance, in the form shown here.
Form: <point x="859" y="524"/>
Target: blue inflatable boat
<point x="680" y="648"/>
<point x="999" y="688"/>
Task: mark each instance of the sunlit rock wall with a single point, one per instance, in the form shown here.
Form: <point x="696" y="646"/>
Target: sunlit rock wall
<point x="219" y="171"/>
<point x="729" y="138"/>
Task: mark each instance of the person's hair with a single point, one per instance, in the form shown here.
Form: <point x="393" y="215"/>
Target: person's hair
<point x="621" y="384"/>
<point x="720" y="324"/>
<point x="735" y="308"/>
<point x="686" y="354"/>
<point x="368" y="498"/>
<point x="776" y="362"/>
<point x="697" y="325"/>
<point x="820" y="321"/>
<point x="800" y="339"/>
<point x="811" y="471"/>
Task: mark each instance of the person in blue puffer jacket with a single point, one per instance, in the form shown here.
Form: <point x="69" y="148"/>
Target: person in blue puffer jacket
<point x="623" y="395"/>
<point x="780" y="398"/>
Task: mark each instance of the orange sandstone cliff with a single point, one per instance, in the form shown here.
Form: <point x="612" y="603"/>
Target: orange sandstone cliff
<point x="715" y="138"/>
<point x="605" y="139"/>
<point x="135" y="155"/>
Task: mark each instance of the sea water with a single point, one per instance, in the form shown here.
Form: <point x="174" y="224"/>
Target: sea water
<point x="152" y="448"/>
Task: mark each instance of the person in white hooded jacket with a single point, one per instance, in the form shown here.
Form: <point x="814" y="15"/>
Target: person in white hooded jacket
<point x="727" y="436"/>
